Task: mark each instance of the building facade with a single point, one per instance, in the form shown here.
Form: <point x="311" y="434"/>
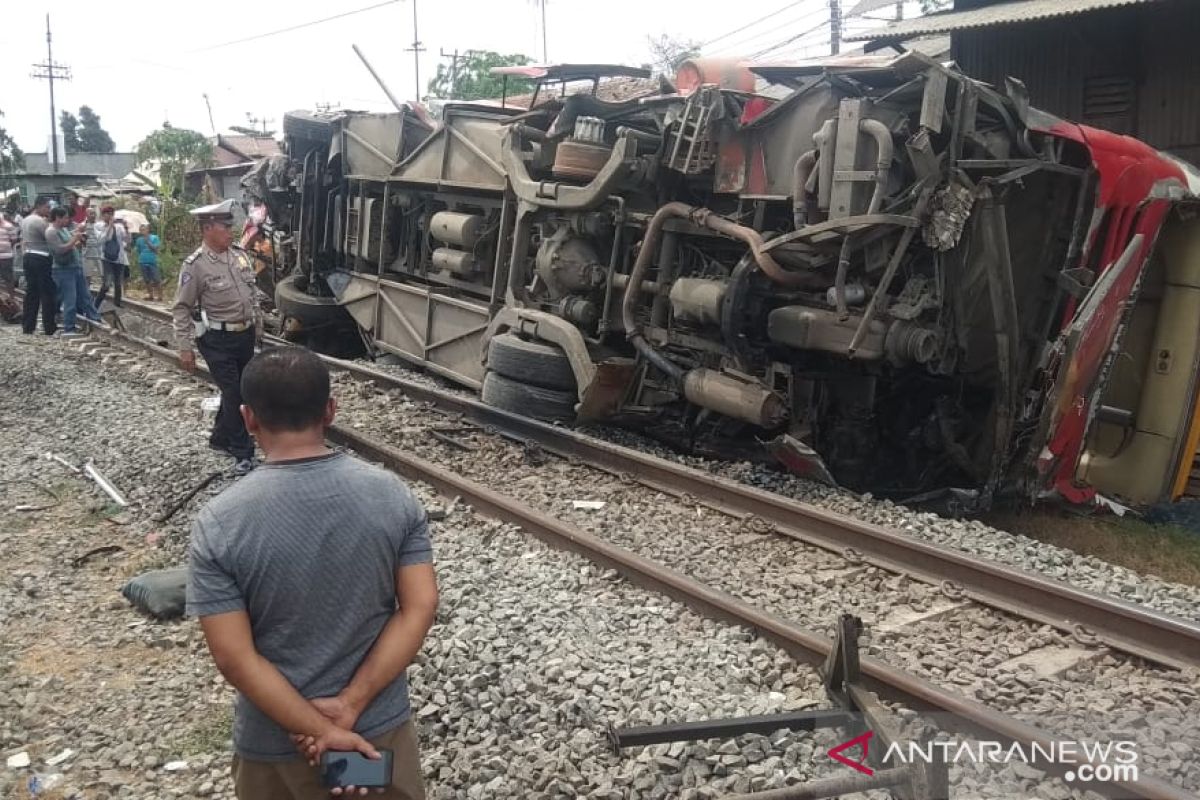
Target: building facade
<point x="1128" y="66"/>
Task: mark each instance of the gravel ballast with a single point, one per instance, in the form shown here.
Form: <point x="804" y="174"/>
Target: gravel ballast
<point x="534" y="653"/>
<point x="521" y="673"/>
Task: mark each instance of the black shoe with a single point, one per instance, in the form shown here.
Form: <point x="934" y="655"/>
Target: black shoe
<point x="244" y="465"/>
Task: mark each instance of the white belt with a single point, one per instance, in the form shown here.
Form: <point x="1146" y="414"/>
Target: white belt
<point x="231" y="327"/>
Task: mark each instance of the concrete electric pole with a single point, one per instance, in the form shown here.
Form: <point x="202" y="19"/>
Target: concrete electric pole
<point x="52" y="71"/>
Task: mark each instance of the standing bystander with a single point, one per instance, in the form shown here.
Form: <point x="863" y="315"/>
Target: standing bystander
<point x="348" y="545"/>
<point x="65" y="244"/>
<point x="217" y="295"/>
<point x="36" y="266"/>
<point x="114" y="240"/>
<point x="148" y="246"/>
<point x="91" y="250"/>
<point x="10" y="238"/>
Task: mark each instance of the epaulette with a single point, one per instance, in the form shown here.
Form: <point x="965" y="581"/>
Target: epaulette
<point x="187" y="261"/>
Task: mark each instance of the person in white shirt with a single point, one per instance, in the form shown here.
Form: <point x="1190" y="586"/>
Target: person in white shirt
<point x="113" y="238"/>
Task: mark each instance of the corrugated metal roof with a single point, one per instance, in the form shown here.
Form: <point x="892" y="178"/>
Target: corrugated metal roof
<point x="1003" y="14"/>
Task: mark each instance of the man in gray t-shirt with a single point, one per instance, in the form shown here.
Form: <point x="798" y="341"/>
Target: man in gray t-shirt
<point x="313" y="580"/>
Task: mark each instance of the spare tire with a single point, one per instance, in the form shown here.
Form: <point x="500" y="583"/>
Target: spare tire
<point x="527" y="400"/>
<point x="310" y="311"/>
<point x="531" y="361"/>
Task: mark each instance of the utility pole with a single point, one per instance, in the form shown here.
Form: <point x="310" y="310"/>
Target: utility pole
<point x="900" y="11"/>
<point x="255" y="120"/>
<point x="545" y="57"/>
<point x="454" y="59"/>
<point x="416" y="51"/>
<point x="835" y="27"/>
<point x="211" y="124"/>
<point x="52" y="71"/>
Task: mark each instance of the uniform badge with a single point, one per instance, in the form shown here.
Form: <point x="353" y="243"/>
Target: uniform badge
<point x="185" y="277"/>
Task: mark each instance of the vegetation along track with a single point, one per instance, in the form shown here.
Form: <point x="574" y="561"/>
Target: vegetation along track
<point x="732" y="567"/>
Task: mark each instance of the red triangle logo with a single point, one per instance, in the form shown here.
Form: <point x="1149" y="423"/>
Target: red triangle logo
<point x="860" y="765"/>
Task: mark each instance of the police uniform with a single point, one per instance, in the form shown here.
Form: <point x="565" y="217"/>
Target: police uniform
<point x="217" y="294"/>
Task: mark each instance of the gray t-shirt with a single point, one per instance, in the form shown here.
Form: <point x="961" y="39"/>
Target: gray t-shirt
<point x="33" y="235"/>
<point x="309" y="549"/>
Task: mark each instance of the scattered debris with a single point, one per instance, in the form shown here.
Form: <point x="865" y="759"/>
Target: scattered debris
<point x="96" y="551"/>
<point x="55" y="760"/>
<point x="445" y="436"/>
<point x="40" y="488"/>
<point x="161" y="593"/>
<point x="175" y="766"/>
<point x="18" y="761"/>
<point x="209" y="406"/>
<point x="43" y="783"/>
<point x="63" y="461"/>
<point x="119" y="519"/>
<point x="183" y="501"/>
<point x="535" y="456"/>
<point x="588" y="505"/>
<point x="90" y="470"/>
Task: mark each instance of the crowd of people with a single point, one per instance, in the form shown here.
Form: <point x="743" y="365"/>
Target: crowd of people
<point x="61" y="247"/>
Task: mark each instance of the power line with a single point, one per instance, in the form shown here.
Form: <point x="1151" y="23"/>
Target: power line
<point x="789" y="40"/>
<point x="756" y="38"/>
<point x="294" y="27"/>
<point x="751" y="24"/>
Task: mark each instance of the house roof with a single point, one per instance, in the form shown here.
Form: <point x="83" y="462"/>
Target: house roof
<point x="113" y="165"/>
<point x="1001" y="14"/>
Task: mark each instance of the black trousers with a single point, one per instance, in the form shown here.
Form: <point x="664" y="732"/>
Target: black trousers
<point x="227" y="354"/>
<point x="40" y="291"/>
<point x="113" y="275"/>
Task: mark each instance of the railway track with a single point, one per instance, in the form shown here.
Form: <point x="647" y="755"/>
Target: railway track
<point x="1131" y="629"/>
<point x="1088" y="616"/>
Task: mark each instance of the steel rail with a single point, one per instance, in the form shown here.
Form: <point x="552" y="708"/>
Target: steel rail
<point x="1089" y="616"/>
<point x="966" y="715"/>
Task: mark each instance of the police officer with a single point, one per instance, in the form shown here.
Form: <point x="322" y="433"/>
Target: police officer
<point x="216" y="310"/>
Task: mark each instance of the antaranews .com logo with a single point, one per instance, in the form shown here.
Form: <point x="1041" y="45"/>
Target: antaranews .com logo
<point x="1084" y="761"/>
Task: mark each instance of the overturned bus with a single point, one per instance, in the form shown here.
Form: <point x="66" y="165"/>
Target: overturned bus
<point x="885" y="273"/>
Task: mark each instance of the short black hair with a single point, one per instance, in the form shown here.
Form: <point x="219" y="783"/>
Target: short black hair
<point x="287" y="388"/>
<point x="41" y="200"/>
<point x="58" y="212"/>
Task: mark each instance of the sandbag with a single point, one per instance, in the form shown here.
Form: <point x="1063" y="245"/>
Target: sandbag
<point x="161" y="593"/>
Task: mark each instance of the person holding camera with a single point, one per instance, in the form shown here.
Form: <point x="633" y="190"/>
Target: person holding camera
<point x="67" y="271"/>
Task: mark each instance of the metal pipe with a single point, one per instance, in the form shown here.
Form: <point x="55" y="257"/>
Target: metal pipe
<point x="839" y="280"/>
<point x="883" y="162"/>
<point x="707" y="219"/>
<point x="885" y="282"/>
<point x="641" y="136"/>
<point x="103" y="483"/>
<point x="800" y="178"/>
<point x="823" y="139"/>
<point x="399" y="106"/>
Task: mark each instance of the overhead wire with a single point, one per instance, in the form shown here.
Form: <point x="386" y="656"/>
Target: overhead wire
<point x="755" y="39"/>
<point x="752" y="23"/>
<point x="297" y="27"/>
<point x="789" y="40"/>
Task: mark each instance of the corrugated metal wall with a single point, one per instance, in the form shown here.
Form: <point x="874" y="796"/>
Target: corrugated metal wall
<point x="1154" y="45"/>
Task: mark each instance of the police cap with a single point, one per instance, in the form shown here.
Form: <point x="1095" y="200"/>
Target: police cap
<point x="217" y="212"/>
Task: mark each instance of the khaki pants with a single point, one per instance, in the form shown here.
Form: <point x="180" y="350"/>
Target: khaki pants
<point x="296" y="780"/>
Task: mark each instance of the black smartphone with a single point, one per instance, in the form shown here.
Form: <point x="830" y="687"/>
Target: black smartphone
<point x="342" y="768"/>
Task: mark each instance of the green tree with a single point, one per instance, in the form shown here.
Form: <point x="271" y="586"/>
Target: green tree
<point x="11" y="158"/>
<point x="474" y="81"/>
<point x="175" y="150"/>
<point x="666" y="53"/>
<point x="92" y="137"/>
<point x="83" y="134"/>
<point x="70" y="131"/>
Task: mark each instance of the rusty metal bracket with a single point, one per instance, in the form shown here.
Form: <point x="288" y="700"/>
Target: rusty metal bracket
<point x="857" y="710"/>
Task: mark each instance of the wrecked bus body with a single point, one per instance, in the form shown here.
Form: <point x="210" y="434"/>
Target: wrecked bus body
<point x="887" y="274"/>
